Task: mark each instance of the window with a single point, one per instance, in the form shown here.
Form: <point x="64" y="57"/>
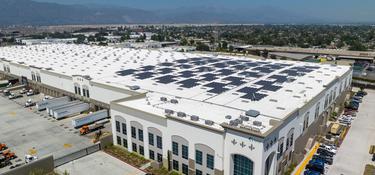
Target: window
<point x="84" y="92"/>
<point x="125" y="143"/>
<point x="242" y="165"/>
<point x="79" y="90"/>
<point x="306" y="121"/>
<point x="210" y="161"/>
<point x="185" y="169"/>
<point x="280" y="149"/>
<point x="134" y="134"/>
<point x="75" y="89"/>
<point x="160" y="157"/>
<point x="175" y="148"/>
<point x="134" y="147"/>
<point x="124" y="128"/>
<point x="141" y="150"/>
<point x="152" y="155"/>
<point x="185" y="152"/>
<point x="317" y="110"/>
<point x="117" y="126"/>
<point x="151" y="139"/>
<point x="140" y="134"/>
<point x="87" y="93"/>
<point x="198" y="157"/>
<point x="118" y="140"/>
<point x="326" y="102"/>
<point x="159" y="142"/>
<point x="175" y="165"/>
<point x="198" y="172"/>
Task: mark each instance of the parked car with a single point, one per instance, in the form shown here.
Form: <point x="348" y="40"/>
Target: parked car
<point x="311" y="172"/>
<point x="328" y="160"/>
<point x="23" y="91"/>
<point x="29" y="103"/>
<point x="14" y="96"/>
<point x="316" y="165"/>
<point x="325" y="152"/>
<point x="30" y="93"/>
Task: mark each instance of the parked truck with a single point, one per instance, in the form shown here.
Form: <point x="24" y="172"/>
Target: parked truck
<point x="89" y="128"/>
<point x="52" y="108"/>
<point x="70" y="110"/>
<point x="90" y="118"/>
<point x="42" y="105"/>
<point x="9" y="155"/>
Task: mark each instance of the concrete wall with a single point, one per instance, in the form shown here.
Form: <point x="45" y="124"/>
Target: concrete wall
<point x="45" y="164"/>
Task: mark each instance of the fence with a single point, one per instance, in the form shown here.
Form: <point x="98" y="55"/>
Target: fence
<point x="76" y="155"/>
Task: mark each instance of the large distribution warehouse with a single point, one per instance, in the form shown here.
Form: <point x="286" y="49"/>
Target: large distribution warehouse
<point x="194" y="113"/>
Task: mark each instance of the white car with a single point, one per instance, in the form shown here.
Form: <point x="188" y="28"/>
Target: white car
<point x="30" y="158"/>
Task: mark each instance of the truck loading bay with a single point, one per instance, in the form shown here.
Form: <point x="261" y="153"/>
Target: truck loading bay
<point x="28" y="132"/>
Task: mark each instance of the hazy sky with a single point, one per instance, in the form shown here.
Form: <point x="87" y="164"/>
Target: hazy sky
<point x="356" y="10"/>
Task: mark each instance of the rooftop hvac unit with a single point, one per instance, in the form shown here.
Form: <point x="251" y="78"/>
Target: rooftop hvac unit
<point x="252" y="113"/>
<point x="174" y="101"/>
<point x="168" y="111"/>
<point x="194" y="118"/>
<point x="233" y="123"/>
<point x="209" y="122"/>
<point x="181" y="114"/>
<point x="228" y="117"/>
<point x="257" y="123"/>
<point x="244" y="118"/>
<point x="135" y="87"/>
<point x="239" y="121"/>
<point x="163" y="99"/>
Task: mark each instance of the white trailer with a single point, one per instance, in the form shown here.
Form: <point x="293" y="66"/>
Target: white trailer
<point x="72" y="110"/>
<point x="51" y="108"/>
<point x="42" y="105"/>
<point x="91" y="118"/>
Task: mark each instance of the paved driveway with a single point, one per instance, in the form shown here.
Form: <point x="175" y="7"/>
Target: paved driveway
<point x="353" y="154"/>
<point x="98" y="163"/>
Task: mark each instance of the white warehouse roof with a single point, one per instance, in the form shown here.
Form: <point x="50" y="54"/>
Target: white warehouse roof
<point x="211" y="87"/>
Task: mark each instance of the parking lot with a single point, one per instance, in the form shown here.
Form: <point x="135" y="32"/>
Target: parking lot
<point x="98" y="163"/>
<point x="26" y="131"/>
<point x="353" y="154"/>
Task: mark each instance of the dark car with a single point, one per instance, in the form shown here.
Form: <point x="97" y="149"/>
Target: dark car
<point x="325" y="152"/>
<point x="328" y="160"/>
<point x="311" y="172"/>
<point x="316" y="165"/>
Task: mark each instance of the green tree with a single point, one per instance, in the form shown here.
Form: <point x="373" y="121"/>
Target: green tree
<point x="202" y="47"/>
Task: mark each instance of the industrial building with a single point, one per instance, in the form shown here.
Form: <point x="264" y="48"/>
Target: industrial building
<point x="193" y="113"/>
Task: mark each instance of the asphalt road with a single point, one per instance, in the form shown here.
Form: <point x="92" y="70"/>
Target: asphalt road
<point x="353" y="155"/>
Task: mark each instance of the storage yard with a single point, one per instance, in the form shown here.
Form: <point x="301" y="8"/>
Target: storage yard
<point x="27" y="131"/>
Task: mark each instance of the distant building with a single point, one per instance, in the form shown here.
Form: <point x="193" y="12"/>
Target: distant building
<point x="45" y="41"/>
<point x="290" y="56"/>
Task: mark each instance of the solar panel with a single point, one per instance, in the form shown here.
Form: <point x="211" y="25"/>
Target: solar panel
<point x="232" y="62"/>
<point x="219" y="65"/>
<point x="187" y="74"/>
<point x="279" y="78"/>
<point x="167" y="64"/>
<point x="271" y="88"/>
<point x="203" y="69"/>
<point x="147" y="68"/>
<point x="188" y="83"/>
<point x="254" y="96"/>
<point x="248" y="90"/>
<point x="209" y="77"/>
<point x="235" y="80"/>
<point x="182" y="61"/>
<point x="218" y="90"/>
<point x="165" y="70"/>
<point x="225" y="72"/>
<point x="126" y="72"/>
<point x="185" y="66"/>
<point x="144" y="75"/>
<point x="239" y="67"/>
<point x="290" y="72"/>
<point x="250" y="74"/>
<point x="215" y="85"/>
<point x="200" y="62"/>
<point x="166" y="79"/>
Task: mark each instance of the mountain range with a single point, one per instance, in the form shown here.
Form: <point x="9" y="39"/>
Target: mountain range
<point x="28" y="12"/>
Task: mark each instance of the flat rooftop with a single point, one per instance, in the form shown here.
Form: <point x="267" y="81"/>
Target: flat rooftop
<point x="225" y="84"/>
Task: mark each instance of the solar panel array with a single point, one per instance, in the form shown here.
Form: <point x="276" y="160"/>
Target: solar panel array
<point x="219" y="75"/>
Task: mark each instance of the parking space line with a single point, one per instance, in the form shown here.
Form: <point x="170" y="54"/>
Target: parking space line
<point x="303" y="164"/>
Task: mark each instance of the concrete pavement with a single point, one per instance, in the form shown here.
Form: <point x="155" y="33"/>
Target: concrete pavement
<point x="98" y="163"/>
<point x="353" y="155"/>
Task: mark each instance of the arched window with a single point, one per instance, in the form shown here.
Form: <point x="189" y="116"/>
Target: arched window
<point x="306" y="121"/>
<point x="242" y="165"/>
<point x="77" y="89"/>
<point x="38" y="79"/>
<point x="33" y="77"/>
<point x="85" y="91"/>
<point x="317" y="110"/>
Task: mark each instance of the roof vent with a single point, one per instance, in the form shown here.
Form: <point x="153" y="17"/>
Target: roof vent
<point x="257" y="123"/>
<point x="244" y="118"/>
<point x="233" y="123"/>
<point x="238" y="121"/>
<point x="209" y="122"/>
<point x="194" y="118"/>
<point x="252" y="113"/>
<point x="135" y="87"/>
<point x="163" y="99"/>
<point x="168" y="111"/>
<point x="181" y="114"/>
<point x="228" y="117"/>
<point x="174" y="101"/>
